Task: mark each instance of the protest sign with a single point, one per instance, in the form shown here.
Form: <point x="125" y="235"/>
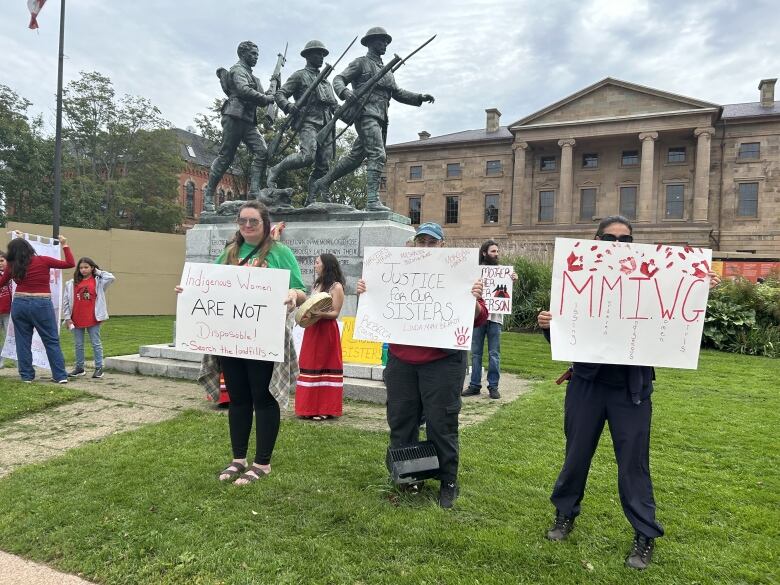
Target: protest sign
<point x="627" y="303"/>
<point x="497" y="292"/>
<point x="43" y="246"/>
<point x="232" y="311"/>
<point x="356" y="351"/>
<point x="418" y="296"/>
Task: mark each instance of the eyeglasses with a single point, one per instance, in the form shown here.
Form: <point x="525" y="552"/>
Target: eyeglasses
<point x="250" y="221"/>
<point x="426" y="242"/>
<point x="611" y="238"/>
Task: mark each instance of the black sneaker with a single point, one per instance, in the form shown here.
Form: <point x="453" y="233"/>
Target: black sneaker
<point x="63" y="381"/>
<point x="470" y="391"/>
<point x="77" y="371"/>
<point x="561" y="528"/>
<point x="448" y="493"/>
<point x="494" y="393"/>
<point x="98" y="373"/>
<point x="641" y="553"/>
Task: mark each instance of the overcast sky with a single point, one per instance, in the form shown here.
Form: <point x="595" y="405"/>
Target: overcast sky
<point x="516" y="55"/>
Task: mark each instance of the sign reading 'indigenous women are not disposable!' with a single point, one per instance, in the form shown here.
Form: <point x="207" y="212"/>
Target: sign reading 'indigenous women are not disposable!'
<point x="418" y="296"/>
<point x="233" y="311"/>
<point x="626" y="303"/>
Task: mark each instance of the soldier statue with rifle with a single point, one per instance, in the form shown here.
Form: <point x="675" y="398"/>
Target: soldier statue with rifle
<point x="239" y="121"/>
<point x="312" y="109"/>
<point x="373" y="85"/>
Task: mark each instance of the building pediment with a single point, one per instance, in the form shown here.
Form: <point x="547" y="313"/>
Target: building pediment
<point x="612" y="99"/>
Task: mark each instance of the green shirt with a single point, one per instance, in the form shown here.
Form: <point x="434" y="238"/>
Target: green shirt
<point x="279" y="256"/>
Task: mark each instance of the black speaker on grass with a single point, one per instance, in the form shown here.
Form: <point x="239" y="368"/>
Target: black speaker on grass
<point x="413" y="463"/>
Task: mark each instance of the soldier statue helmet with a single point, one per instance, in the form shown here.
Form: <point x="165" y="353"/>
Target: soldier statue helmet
<point x="314" y="46"/>
<point x="374" y="32"/>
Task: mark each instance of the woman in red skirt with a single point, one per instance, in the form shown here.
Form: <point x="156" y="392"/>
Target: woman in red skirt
<point x="320" y="388"/>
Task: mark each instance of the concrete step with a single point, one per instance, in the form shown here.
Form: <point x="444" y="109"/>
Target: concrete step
<point x="362" y="389"/>
<point x="163" y="350"/>
<point x="149" y="366"/>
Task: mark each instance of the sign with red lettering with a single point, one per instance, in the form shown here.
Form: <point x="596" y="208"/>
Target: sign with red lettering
<point x="233" y="311"/>
<point x="418" y="296"/>
<point x="628" y="303"/>
<point x="497" y="291"/>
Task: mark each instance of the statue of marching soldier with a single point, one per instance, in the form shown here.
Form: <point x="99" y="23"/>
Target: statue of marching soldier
<point x="312" y="116"/>
<point x="365" y="105"/>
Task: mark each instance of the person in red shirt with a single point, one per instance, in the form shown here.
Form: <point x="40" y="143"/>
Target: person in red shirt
<point x="428" y="381"/>
<point x="5" y="305"/>
<point x="84" y="308"/>
<point x="32" y="307"/>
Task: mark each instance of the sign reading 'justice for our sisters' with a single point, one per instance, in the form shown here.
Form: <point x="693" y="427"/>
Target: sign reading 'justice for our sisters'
<point x="626" y="303"/>
<point x="232" y="311"/>
<point x="418" y="296"/>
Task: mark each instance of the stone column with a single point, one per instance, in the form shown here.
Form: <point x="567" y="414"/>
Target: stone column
<point x="518" y="204"/>
<point x="646" y="201"/>
<point x="563" y="205"/>
<point x="701" y="187"/>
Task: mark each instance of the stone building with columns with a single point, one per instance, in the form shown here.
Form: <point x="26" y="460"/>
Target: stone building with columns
<point x="685" y="171"/>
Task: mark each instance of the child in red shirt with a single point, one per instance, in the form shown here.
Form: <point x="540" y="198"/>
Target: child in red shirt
<point x="5" y="306"/>
<point x="84" y="309"/>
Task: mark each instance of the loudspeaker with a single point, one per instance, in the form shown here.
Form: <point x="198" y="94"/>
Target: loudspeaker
<point x="413" y="463"/>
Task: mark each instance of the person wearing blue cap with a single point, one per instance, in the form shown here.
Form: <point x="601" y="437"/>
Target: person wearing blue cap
<point x="428" y="380"/>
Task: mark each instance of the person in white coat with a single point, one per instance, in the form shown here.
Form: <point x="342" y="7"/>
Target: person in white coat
<point x="84" y="308"/>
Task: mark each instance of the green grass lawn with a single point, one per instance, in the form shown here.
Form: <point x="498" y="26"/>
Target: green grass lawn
<point x="18" y="399"/>
<point x="122" y="336"/>
<point x="145" y="507"/>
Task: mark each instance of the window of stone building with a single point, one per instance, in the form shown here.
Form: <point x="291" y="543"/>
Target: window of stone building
<point x="491" y="208"/>
<point x="453" y="170"/>
<point x="189" y="191"/>
<point x="629" y="158"/>
<point x="590" y="160"/>
<point x="675" y="154"/>
<point x="451" y="209"/>
<point x="221" y="197"/>
<point x="415" y="209"/>
<point x="546" y="205"/>
<point x="675" y="201"/>
<point x="587" y="204"/>
<point x="383" y="183"/>
<point x="493" y="168"/>
<point x="747" y="203"/>
<point x="749" y="150"/>
<point x="547" y="163"/>
<point x="415" y="172"/>
<point x="628" y="202"/>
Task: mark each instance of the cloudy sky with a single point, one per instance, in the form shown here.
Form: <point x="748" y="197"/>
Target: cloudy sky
<point x="516" y="55"/>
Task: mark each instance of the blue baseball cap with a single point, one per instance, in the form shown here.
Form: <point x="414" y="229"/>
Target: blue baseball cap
<point x="431" y="229"/>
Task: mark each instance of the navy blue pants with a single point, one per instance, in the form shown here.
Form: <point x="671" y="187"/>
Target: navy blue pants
<point x="588" y="406"/>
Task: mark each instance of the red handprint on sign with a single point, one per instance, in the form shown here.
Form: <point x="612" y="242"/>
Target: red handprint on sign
<point x="461" y="336"/>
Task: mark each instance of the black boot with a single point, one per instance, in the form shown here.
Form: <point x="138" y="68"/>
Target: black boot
<point x="372" y="201"/>
<point x="641" y="552"/>
<point x="561" y="528"/>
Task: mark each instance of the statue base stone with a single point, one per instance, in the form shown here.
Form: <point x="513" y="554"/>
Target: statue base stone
<point x="311" y="233"/>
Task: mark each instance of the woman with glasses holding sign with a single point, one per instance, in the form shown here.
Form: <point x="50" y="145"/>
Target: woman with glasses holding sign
<point x="619" y="395"/>
<point x="257" y="385"/>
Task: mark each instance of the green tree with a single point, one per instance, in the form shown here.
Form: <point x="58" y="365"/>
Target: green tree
<point x="26" y="160"/>
<point x="123" y="164"/>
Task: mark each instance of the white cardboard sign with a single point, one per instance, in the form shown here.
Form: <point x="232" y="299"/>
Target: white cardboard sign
<point x="55" y="286"/>
<point x="233" y="311"/>
<point x="418" y="296"/>
<point x="497" y="292"/>
<point x="628" y="303"/>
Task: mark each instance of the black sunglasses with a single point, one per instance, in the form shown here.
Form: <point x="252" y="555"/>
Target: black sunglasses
<point x="611" y="238"/>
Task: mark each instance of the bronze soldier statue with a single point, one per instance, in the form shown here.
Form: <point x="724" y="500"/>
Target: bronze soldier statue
<point x="310" y="117"/>
<point x="239" y="121"/>
<point x="371" y="123"/>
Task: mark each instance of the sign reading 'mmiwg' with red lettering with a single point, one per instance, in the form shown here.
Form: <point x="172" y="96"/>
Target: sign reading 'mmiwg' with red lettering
<point x="628" y="303"/>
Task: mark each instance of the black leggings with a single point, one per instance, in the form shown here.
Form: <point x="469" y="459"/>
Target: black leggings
<point x="247" y="383"/>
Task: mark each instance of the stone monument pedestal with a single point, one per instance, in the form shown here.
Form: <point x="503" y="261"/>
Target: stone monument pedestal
<point x="310" y="233"/>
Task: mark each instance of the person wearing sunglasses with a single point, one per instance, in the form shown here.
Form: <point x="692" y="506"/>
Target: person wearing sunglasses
<point x="619" y="395"/>
<point x="257" y="386"/>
